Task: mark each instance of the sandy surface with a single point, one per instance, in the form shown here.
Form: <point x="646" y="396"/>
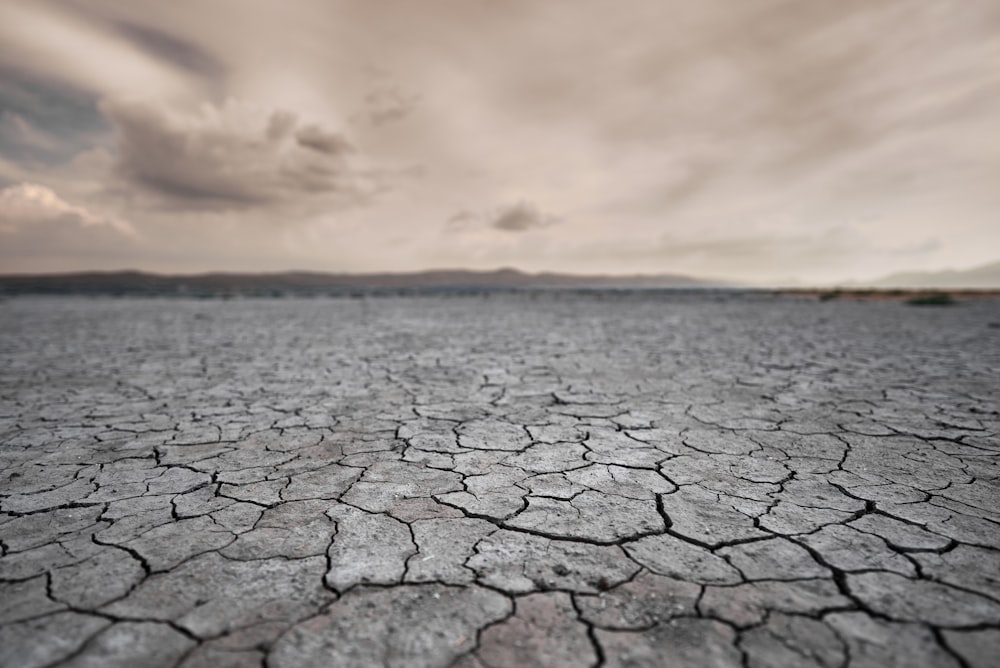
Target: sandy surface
<point x="512" y="480"/>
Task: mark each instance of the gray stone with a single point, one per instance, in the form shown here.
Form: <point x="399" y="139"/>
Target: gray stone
<point x="409" y="626"/>
<point x="673" y="557"/>
<point x="46" y="640"/>
<point x="211" y="595"/>
<point x="640" y="603"/>
<point x="680" y="643"/>
<point x="786" y="641"/>
<point x="748" y="604"/>
<point x="25" y="599"/>
<point x="543" y="632"/>
<point x="910" y="600"/>
<point x="128" y="644"/>
<point x="589" y="515"/>
<point x="698" y="514"/>
<point x="773" y="559"/>
<point x="851" y="550"/>
<point x="876" y="643"/>
<point x="519" y="563"/>
<point x="367" y="549"/>
<point x="443" y="548"/>
<point x="979" y="649"/>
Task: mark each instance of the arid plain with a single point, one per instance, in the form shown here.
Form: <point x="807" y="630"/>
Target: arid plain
<point x="619" y="478"/>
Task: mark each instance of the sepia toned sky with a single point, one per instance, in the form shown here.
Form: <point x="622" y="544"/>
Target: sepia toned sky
<point x="754" y="140"/>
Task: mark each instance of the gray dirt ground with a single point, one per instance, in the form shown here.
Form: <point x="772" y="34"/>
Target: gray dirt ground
<point x="512" y="480"/>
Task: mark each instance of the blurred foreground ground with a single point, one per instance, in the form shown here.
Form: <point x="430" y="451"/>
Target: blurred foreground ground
<point x="555" y="479"/>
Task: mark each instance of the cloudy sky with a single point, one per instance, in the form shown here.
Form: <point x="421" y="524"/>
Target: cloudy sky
<point x="757" y="140"/>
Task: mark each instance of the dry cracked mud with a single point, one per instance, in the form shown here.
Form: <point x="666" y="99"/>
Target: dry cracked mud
<point x="539" y="479"/>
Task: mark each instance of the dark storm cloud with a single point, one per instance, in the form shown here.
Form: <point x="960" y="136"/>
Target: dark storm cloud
<point x="234" y="158"/>
<point x="182" y="53"/>
<point x="43" y="121"/>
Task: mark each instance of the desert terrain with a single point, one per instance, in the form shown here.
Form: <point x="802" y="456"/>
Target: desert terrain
<point x="540" y="478"/>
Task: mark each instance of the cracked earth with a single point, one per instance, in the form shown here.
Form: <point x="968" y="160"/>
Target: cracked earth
<point x="510" y="480"/>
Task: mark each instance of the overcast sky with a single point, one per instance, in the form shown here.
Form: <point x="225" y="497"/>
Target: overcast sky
<point x="757" y="140"/>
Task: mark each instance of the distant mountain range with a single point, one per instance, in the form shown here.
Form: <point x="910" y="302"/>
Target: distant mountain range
<point x="308" y="283"/>
<point x="984" y="277"/>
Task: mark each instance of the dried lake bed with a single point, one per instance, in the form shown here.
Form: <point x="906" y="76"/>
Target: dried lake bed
<point x="504" y="479"/>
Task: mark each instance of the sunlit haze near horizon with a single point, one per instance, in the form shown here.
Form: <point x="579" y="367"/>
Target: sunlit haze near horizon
<point x="759" y="141"/>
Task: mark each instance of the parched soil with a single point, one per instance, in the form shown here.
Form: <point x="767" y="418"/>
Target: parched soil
<point x="536" y="479"/>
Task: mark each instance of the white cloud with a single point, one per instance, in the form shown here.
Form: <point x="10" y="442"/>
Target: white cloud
<point x="27" y="204"/>
<point x="40" y="231"/>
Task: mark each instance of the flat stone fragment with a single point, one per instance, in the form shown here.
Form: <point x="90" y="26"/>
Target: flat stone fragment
<point x="786" y="641"/>
<point x="202" y="501"/>
<point x="24" y="599"/>
<point x="211" y="595"/>
<point x="698" y="514"/>
<point x="36" y="561"/>
<point x="104" y="577"/>
<point x="177" y="480"/>
<point x="520" y="563"/>
<point x="493" y="435"/>
<point x="747" y="604"/>
<point x="640" y="603"/>
<point x="166" y="546"/>
<point x="129" y="644"/>
<point x="443" y="548"/>
<point x="852" y="550"/>
<point x="589" y="515"/>
<point x="972" y="568"/>
<point x="639" y="484"/>
<point x="910" y="600"/>
<point x="952" y="524"/>
<point x="409" y="626"/>
<point x="264" y="492"/>
<point x="61" y="496"/>
<point x="294" y="530"/>
<point x="715" y="441"/>
<point x="615" y="447"/>
<point x="411" y="510"/>
<point x="876" y="643"/>
<point x="205" y="656"/>
<point x="676" y="558"/>
<point x="979" y="649"/>
<point x="28" y="531"/>
<point x="45" y="640"/>
<point x="324" y="483"/>
<point x="367" y="549"/>
<point x="790" y="519"/>
<point x="900" y="535"/>
<point x="773" y="559"/>
<point x="543" y="632"/>
<point x="549" y="457"/>
<point x="386" y="484"/>
<point x="680" y="643"/>
<point x="497" y="494"/>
